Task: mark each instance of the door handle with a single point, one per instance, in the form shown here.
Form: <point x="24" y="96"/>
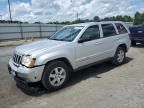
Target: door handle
<point x="117" y="38"/>
<point x="97" y="43"/>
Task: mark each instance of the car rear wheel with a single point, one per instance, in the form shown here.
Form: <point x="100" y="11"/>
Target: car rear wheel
<point x="119" y="57"/>
<point x="55" y="75"/>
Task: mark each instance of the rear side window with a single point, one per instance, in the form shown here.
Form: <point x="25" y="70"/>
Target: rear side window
<point x="121" y="28"/>
<point x="108" y="30"/>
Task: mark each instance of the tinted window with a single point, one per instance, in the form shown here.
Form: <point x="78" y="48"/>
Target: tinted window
<point x="108" y="30"/>
<point x="91" y="33"/>
<point x="121" y="28"/>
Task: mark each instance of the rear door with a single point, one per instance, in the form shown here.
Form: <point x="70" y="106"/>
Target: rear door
<point x="109" y="36"/>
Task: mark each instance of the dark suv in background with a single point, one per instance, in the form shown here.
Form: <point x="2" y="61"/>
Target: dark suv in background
<point x="137" y="34"/>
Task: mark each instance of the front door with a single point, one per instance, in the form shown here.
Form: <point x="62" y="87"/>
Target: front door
<point x="89" y="46"/>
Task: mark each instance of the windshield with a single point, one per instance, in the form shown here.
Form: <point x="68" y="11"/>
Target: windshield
<point x="67" y="33"/>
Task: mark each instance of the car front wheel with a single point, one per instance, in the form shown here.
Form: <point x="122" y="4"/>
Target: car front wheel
<point x="55" y="75"/>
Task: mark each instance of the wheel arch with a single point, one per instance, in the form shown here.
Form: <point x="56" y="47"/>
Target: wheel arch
<point x="63" y="59"/>
<point x="123" y="46"/>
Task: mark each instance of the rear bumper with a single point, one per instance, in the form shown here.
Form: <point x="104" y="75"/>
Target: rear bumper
<point x="141" y="40"/>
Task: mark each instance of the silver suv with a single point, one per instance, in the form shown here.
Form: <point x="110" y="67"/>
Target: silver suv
<point x="73" y="47"/>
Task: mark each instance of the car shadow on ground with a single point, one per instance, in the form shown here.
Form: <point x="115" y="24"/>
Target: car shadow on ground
<point x="84" y="74"/>
<point x="93" y="71"/>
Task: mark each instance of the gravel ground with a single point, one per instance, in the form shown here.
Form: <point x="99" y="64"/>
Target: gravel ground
<point x="100" y="86"/>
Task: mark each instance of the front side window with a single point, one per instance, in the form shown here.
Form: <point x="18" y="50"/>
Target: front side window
<point x="108" y="30"/>
<point x="67" y="33"/>
<point x="91" y="33"/>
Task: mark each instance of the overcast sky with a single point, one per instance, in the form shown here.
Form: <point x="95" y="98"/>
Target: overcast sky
<point x="50" y="10"/>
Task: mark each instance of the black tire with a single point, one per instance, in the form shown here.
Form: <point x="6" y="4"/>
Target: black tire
<point x="133" y="43"/>
<point x="115" y="58"/>
<point x="46" y="74"/>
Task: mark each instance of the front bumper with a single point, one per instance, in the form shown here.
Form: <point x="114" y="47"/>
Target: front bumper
<point x="29" y="75"/>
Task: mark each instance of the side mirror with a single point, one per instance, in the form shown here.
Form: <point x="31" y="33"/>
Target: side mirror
<point x="88" y="38"/>
<point x="81" y="40"/>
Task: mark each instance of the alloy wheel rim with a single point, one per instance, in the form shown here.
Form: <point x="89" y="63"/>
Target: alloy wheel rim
<point x="57" y="76"/>
<point x="120" y="56"/>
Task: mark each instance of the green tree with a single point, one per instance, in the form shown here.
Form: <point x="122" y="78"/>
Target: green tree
<point x="139" y="18"/>
<point x="37" y="22"/>
<point x="96" y="18"/>
<point x="128" y="18"/>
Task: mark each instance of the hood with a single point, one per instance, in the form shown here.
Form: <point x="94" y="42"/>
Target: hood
<point x="39" y="46"/>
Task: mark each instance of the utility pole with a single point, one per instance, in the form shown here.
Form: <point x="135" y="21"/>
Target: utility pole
<point x="77" y="15"/>
<point x="10" y="11"/>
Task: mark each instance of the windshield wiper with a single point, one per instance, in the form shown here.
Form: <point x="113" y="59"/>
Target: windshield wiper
<point x="58" y="39"/>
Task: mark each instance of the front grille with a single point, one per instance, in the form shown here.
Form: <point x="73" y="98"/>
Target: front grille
<point x="17" y="59"/>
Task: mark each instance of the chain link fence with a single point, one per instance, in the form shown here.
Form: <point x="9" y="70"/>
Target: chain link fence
<point x="27" y="31"/>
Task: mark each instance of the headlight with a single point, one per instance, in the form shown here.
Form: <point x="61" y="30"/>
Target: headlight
<point x="28" y="61"/>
